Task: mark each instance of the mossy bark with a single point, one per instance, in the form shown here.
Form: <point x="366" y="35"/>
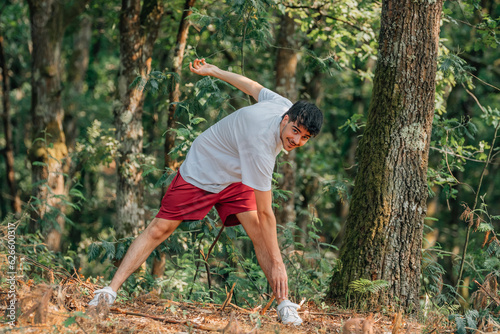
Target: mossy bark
<point x="48" y="22"/>
<point x="385" y="223"/>
<point x="138" y="31"/>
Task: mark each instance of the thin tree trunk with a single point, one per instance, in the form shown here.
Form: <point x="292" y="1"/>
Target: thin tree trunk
<point x="286" y="85"/>
<point x="138" y="31"/>
<point x="8" y="151"/>
<point x="77" y="69"/>
<point x="48" y="152"/>
<point x="385" y="224"/>
<point x="174" y="96"/>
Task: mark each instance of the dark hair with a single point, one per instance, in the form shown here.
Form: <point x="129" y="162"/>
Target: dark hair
<point x="307" y="115"/>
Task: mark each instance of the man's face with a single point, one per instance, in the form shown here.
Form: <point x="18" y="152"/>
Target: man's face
<point x="292" y="135"/>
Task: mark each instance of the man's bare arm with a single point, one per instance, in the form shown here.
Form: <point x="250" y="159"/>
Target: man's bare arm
<point x="246" y="85"/>
<point x="267" y="222"/>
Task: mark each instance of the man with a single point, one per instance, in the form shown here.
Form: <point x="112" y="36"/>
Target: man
<point x="230" y="166"/>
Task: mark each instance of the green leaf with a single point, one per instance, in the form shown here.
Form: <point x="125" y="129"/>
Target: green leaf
<point x="197" y="120"/>
<point x="69" y="321"/>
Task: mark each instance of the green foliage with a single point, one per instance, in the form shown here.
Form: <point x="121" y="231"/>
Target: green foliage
<point x="100" y="147"/>
<point x="362" y="288"/>
<point x="336" y="48"/>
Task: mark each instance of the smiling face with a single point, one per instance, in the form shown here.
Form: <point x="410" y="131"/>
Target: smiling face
<point x="292" y="135"/>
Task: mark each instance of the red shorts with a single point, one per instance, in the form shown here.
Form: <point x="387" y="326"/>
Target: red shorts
<point x="183" y="201"/>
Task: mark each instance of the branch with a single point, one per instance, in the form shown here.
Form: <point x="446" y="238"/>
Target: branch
<point x="484" y="82"/>
<point x="488" y="293"/>
<point x="163" y="319"/>
<point x="458" y="155"/>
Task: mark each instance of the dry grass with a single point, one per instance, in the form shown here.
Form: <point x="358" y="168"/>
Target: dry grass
<point x="62" y="308"/>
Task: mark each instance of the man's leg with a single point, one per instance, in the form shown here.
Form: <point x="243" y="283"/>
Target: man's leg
<point x="156" y="232"/>
<point x="250" y="222"/>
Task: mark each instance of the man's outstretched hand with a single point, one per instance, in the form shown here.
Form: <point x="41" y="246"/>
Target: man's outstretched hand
<point x="279" y="282"/>
<point x="200" y="67"/>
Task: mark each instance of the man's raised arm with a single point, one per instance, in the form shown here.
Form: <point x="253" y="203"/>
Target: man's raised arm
<point x="246" y="85"/>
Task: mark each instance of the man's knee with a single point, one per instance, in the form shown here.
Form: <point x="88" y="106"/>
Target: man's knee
<point x="162" y="228"/>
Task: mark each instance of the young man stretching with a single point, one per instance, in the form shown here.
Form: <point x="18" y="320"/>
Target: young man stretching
<point x="230" y="165"/>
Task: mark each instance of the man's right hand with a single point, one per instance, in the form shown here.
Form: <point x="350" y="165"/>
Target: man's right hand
<point x="200" y="67"/>
<point x="279" y="281"/>
<point x="247" y="86"/>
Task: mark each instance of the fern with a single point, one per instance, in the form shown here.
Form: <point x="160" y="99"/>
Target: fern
<point x="94" y="251"/>
<point x="460" y="322"/>
<point x="364" y="286"/>
<point x="471" y="317"/>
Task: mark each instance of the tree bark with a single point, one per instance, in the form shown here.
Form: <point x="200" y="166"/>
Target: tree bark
<point x="48" y="152"/>
<point x="174" y="96"/>
<point x="385" y="224"/>
<point x="77" y="69"/>
<point x="8" y="151"/>
<point x="286" y="85"/>
<point x="138" y="32"/>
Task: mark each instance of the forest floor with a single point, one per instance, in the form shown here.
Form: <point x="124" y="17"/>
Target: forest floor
<point x="62" y="308"/>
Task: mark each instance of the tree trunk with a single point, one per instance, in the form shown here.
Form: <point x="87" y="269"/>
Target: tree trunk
<point x="48" y="152"/>
<point x="8" y="151"/>
<point x="77" y="69"/>
<point x="385" y="224"/>
<point x="174" y="96"/>
<point x="138" y="32"/>
<point x="286" y="85"/>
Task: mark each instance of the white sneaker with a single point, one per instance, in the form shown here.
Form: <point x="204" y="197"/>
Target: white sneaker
<point x="287" y="313"/>
<point x="105" y="293"/>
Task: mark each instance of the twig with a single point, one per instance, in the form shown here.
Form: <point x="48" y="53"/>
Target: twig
<point x="163" y="319"/>
<point x="209" y="276"/>
<point x="457" y="155"/>
<point x="228" y="298"/>
<point x="215" y="241"/>
<point x="240" y="308"/>
<point x="487" y="292"/>
<point x="206" y="265"/>
<point x="484" y="82"/>
<point x="267" y="306"/>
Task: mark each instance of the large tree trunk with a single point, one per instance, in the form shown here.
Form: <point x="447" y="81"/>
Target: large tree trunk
<point x="138" y="31"/>
<point x="385" y="224"/>
<point x="8" y="151"/>
<point x="286" y="85"/>
<point x="48" y="152"/>
<point x="174" y="96"/>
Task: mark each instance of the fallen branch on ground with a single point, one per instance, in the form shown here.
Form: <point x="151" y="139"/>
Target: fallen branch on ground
<point x="163" y="319"/>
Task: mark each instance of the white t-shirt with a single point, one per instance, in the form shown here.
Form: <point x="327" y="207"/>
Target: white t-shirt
<point x="242" y="147"/>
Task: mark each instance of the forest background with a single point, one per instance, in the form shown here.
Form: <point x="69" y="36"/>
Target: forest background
<point x="99" y="108"/>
